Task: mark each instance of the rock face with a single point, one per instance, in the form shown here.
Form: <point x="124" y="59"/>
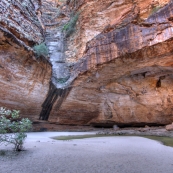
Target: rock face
<point x="24" y="80"/>
<point x="120" y="57"/>
<point x="125" y="76"/>
<point x="96" y="16"/>
<point x="19" y="18"/>
<point x="169" y="127"/>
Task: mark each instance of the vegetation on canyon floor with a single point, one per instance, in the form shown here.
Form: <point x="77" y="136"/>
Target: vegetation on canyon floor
<point x="168" y="141"/>
<point x="41" y="50"/>
<point x="13" y="128"/>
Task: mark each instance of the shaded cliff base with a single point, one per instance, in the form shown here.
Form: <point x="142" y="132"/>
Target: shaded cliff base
<point x="43" y="126"/>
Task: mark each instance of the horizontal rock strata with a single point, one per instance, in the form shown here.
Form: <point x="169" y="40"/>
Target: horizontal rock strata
<point x="20" y="19"/>
<point x="120" y="56"/>
<point x="125" y="76"/>
<point x="24" y="80"/>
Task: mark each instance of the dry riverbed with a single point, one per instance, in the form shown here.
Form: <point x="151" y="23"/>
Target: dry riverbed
<point x="115" y="154"/>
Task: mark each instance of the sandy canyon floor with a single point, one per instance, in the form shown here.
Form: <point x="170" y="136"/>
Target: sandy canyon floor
<point x="92" y="155"/>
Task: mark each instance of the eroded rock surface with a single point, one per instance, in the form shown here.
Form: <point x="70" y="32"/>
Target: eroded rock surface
<point x="96" y="16"/>
<point x="19" y="18"/>
<point x="120" y="57"/>
<point x="125" y="76"/>
<point x="24" y="80"/>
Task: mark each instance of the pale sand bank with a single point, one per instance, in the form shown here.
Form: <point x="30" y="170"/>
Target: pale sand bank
<point x="92" y="155"/>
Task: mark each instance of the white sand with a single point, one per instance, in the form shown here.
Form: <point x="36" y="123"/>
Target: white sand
<point x="92" y="155"/>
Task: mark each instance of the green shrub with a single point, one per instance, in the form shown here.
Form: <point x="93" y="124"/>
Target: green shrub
<point x="155" y="9"/>
<point x="41" y="50"/>
<point x="13" y="128"/>
<point x="69" y="27"/>
<point x="62" y="80"/>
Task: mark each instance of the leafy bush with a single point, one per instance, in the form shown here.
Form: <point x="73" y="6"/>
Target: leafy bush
<point x="41" y="50"/>
<point x="62" y="80"/>
<point x="13" y="128"/>
<point x="69" y="27"/>
<point x="155" y="9"/>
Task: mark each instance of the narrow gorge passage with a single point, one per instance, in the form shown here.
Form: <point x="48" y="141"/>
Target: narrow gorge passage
<point x="55" y="42"/>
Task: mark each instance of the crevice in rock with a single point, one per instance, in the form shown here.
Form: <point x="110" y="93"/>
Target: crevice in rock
<point x="14" y="38"/>
<point x="170" y="19"/>
<point x="144" y="74"/>
<point x="158" y="84"/>
<point x="55" y="42"/>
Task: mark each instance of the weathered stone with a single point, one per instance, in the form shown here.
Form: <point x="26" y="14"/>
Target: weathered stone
<point x="125" y="76"/>
<point x="169" y="127"/>
<point x="98" y="16"/>
<point x="115" y="127"/>
<point x="122" y="61"/>
<point x="20" y="19"/>
<point x="24" y="80"/>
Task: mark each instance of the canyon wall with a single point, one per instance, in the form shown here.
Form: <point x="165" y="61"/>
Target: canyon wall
<point x="24" y="79"/>
<point x="119" y="61"/>
<point x="124" y="69"/>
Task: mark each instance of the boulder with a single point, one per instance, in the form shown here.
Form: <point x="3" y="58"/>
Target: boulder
<point x="115" y="127"/>
<point x="169" y="127"/>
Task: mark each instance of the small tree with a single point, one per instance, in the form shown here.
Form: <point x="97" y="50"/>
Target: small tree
<point x="41" y="50"/>
<point x="13" y="128"/>
<point x="69" y="27"/>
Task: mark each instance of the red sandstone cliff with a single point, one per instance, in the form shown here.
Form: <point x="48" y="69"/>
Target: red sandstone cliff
<point x="24" y="80"/>
<point x="125" y="74"/>
<point x="121" y="53"/>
